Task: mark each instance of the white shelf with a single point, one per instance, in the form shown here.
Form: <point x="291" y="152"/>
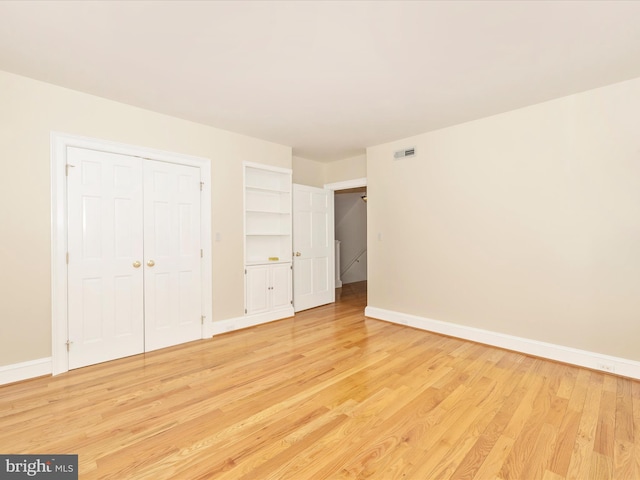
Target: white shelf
<point x="267" y="179"/>
<point x="268" y="211"/>
<point x="252" y="234"/>
<point x="266" y="189"/>
<point x="264" y="201"/>
<point x="251" y="263"/>
<point x="267" y="215"/>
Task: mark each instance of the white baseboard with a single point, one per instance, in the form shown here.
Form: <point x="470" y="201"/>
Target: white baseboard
<point x="25" y="370"/>
<point x="44" y="366"/>
<point x="231" y="324"/>
<point x="560" y="353"/>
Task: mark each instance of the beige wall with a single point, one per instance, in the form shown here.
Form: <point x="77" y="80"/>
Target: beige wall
<point x="29" y="111"/>
<point x="317" y="174"/>
<point x="525" y="223"/>
<point x="308" y="172"/>
<point x="348" y="169"/>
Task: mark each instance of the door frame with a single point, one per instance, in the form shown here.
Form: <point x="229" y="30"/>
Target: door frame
<point x="59" y="144"/>
<point x="346" y="185"/>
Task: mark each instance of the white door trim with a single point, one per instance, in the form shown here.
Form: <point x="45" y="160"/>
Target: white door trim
<point x="59" y="144"/>
<point x="346" y="184"/>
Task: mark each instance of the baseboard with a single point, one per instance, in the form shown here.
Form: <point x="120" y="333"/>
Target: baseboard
<point x="25" y="370"/>
<point x="44" y="366"/>
<point x="560" y="353"/>
<point x="231" y="324"/>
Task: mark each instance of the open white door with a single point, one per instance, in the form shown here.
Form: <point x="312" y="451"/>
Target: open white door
<point x="313" y="247"/>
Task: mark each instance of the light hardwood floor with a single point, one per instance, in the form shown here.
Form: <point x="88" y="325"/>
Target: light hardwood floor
<point x="330" y="395"/>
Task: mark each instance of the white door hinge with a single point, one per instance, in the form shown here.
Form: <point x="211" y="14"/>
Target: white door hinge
<point x="202" y="319"/>
<point x="201" y="185"/>
<point x="201" y="253"/>
<point x="67" y="258"/>
<point x="66" y="169"/>
<point x="68" y="344"/>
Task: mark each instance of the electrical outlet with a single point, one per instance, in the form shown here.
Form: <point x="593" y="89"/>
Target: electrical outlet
<point x="607" y="367"/>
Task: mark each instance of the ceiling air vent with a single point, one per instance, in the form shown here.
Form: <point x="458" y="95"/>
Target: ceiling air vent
<point x="405" y="153"/>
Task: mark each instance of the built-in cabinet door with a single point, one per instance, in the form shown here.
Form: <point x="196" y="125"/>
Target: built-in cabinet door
<point x="105" y="274"/>
<point x="257" y="284"/>
<point x="280" y="286"/>
<point x="268" y="288"/>
<point x="172" y="254"/>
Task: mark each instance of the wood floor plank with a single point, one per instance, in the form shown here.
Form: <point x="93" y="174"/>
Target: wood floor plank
<point x="474" y="460"/>
<point x="568" y="429"/>
<point x="525" y="429"/>
<point x="330" y="394"/>
<point x="635" y="400"/>
<point x="623" y="431"/>
<point x="583" y="449"/>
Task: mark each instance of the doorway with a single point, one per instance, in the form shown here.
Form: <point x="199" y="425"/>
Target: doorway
<point x="350" y="231"/>
<point x="351" y="235"/>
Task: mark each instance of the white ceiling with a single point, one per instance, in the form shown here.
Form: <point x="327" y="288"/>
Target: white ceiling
<point x="327" y="78"/>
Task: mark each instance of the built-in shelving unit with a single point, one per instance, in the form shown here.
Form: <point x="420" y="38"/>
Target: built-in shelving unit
<point x="267" y="233"/>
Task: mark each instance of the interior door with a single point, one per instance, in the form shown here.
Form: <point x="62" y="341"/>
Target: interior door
<point x="172" y="263"/>
<point x="313" y="247"/>
<point x="134" y="269"/>
<point x="105" y="277"/>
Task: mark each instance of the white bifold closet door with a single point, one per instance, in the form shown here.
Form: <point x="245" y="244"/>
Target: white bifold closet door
<point x="172" y="286"/>
<point x="134" y="281"/>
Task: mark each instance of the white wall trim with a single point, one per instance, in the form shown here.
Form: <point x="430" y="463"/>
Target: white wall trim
<point x="59" y="144"/>
<point x="25" y="370"/>
<point x="237" y="323"/>
<point x="344" y="185"/>
<point x="560" y="353"/>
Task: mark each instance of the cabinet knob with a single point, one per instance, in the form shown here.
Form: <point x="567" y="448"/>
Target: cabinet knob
<point x="298" y="254"/>
<point x="151" y="263"/>
<point x="136" y="264"/>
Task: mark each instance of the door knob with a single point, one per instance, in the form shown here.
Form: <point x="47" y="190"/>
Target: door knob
<point x="136" y="264"/>
<point x="298" y="254"/>
<point x="151" y="263"/>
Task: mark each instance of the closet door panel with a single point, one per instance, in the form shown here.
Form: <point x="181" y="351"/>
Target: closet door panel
<point x="104" y="231"/>
<point x="172" y="254"/>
